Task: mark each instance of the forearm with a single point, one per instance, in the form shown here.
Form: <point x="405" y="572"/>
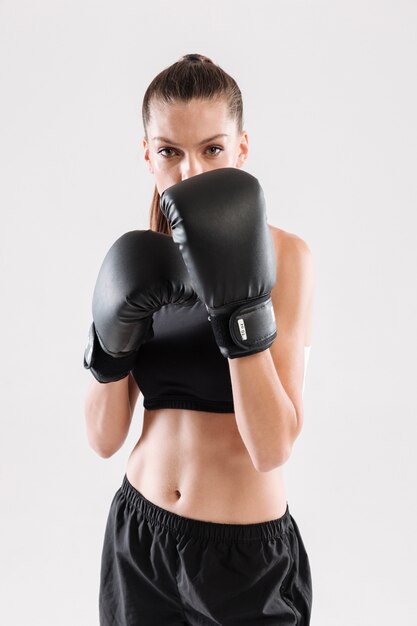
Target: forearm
<point x="108" y="415"/>
<point x="265" y="416"/>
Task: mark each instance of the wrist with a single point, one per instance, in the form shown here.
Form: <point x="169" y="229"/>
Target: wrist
<point x="104" y="367"/>
<point x="244" y="329"/>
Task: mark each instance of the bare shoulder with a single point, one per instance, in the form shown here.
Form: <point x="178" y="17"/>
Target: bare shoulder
<point x="289" y="246"/>
<point x="293" y="292"/>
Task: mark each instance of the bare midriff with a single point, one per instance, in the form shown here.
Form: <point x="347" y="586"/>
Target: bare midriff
<point x="195" y="464"/>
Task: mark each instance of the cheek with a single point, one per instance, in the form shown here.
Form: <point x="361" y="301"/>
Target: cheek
<point x="162" y="165"/>
<point x="165" y="176"/>
<point x="229" y="159"/>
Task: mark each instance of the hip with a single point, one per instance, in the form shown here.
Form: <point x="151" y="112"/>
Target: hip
<point x="162" y="568"/>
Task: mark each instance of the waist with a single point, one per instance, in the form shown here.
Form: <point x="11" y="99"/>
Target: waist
<point x="196" y="465"/>
<point x="181" y="525"/>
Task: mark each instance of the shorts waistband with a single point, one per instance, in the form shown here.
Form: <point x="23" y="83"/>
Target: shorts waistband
<point x="180" y="525"/>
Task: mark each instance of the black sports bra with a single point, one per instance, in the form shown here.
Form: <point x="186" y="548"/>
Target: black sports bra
<point x="181" y="366"/>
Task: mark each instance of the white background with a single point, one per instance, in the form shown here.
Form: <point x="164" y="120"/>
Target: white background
<point x="330" y="107"/>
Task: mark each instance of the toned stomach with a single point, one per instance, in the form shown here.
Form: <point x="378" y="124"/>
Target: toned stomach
<point x="195" y="464"/>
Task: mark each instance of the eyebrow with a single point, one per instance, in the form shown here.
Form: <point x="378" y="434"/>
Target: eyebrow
<point x="172" y="143"/>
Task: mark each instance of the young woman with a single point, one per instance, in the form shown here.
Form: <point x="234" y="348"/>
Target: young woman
<point x="209" y="314"/>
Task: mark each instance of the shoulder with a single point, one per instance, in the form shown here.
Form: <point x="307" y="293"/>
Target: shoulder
<point x="290" y="249"/>
<point x="292" y="294"/>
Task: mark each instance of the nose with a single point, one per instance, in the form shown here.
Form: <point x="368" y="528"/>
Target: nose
<point x="191" y="167"/>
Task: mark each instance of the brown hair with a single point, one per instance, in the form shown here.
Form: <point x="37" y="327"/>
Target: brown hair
<point x="193" y="76"/>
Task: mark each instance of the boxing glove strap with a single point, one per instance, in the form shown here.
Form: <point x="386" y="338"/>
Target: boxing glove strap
<point x="248" y="329"/>
<point x="104" y="367"/>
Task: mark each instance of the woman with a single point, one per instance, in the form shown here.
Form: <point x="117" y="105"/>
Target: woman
<point x="200" y="531"/>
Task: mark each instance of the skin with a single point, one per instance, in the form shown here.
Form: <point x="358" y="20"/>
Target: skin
<point x="188" y="125"/>
<point x="195" y="463"/>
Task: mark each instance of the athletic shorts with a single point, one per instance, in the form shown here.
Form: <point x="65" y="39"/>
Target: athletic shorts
<point x="159" y="568"/>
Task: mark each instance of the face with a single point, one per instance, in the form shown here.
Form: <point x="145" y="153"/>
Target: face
<point x="189" y="138"/>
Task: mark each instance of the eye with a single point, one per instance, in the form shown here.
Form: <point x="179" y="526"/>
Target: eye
<point x="167" y="156"/>
<point x="211" y="149"/>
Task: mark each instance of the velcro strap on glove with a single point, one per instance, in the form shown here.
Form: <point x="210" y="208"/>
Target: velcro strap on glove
<point x="248" y="329"/>
<point x="104" y="367"/>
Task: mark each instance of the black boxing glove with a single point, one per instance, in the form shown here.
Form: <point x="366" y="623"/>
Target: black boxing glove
<point x="218" y="219"/>
<point x="142" y="271"/>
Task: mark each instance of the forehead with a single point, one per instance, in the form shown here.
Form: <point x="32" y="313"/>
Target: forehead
<point x="194" y="119"/>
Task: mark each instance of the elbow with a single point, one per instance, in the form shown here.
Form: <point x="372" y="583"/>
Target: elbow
<point x="101" y="450"/>
<point x="267" y="464"/>
<point x="103" y="446"/>
<point x="269" y="460"/>
<point x="104" y="453"/>
<point x="105" y="435"/>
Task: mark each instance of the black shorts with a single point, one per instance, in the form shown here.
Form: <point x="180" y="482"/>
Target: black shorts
<point x="161" y="568"/>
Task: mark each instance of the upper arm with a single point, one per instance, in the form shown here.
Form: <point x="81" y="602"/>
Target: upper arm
<point x="292" y="299"/>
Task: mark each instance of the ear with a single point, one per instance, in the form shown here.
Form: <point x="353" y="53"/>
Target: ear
<point x="146" y="155"/>
<point x="243" y="152"/>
